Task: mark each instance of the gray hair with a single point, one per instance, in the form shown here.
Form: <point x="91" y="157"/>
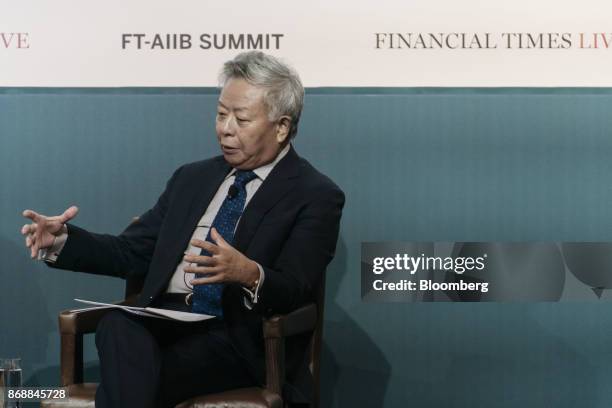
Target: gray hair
<point x="284" y="93"/>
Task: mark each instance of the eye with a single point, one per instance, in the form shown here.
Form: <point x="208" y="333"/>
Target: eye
<point x="242" y="120"/>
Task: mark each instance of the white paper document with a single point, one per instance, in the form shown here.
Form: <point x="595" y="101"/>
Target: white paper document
<point x="152" y="312"/>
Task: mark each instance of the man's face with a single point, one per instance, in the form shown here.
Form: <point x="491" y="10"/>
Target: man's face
<point x="247" y="137"/>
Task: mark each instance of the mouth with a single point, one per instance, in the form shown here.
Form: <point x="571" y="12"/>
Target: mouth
<point x="228" y="149"/>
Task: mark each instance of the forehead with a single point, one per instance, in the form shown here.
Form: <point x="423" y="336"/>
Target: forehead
<point x="238" y="94"/>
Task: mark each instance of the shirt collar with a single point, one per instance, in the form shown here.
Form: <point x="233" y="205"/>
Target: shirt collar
<point x="264" y="171"/>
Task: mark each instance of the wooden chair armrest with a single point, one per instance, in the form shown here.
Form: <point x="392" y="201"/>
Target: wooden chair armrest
<point x="73" y="324"/>
<point x="275" y="329"/>
<point x="299" y="321"/>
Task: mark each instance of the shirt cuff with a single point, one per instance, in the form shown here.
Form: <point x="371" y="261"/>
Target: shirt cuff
<point x="251" y="297"/>
<point x="50" y="254"/>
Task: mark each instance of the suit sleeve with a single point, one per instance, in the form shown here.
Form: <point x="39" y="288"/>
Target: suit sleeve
<point x="292" y="280"/>
<point x="128" y="254"/>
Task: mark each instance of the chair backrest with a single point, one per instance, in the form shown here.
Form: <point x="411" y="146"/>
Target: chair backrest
<point x="133" y="286"/>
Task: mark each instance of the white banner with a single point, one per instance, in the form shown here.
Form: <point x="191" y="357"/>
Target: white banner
<point x="356" y="43"/>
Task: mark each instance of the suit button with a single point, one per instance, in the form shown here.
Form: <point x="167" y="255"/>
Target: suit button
<point x="150" y="297"/>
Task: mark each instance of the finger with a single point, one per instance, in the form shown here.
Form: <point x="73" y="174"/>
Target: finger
<point x="37" y="235"/>
<point x="212" y="270"/>
<point x="206" y="280"/>
<point x="34" y="250"/>
<point x="208" y="246"/>
<point x="66" y="216"/>
<point x="28" y="241"/>
<point x="33" y="215"/>
<point x="202" y="260"/>
<point x="28" y="229"/>
<point x="197" y="243"/>
<point x="218" y="238"/>
<point x="69" y="214"/>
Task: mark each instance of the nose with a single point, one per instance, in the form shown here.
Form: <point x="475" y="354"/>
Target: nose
<point x="227" y="125"/>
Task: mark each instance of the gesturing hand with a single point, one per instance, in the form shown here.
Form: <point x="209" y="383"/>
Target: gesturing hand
<point x="226" y="264"/>
<point x="41" y="233"/>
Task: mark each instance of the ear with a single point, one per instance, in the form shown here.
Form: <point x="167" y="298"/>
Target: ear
<point x="282" y="129"/>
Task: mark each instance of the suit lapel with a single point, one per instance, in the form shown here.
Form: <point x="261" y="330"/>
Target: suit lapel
<point x="205" y="189"/>
<point x="278" y="183"/>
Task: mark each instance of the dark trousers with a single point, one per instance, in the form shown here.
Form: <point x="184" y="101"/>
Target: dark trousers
<point x="149" y="362"/>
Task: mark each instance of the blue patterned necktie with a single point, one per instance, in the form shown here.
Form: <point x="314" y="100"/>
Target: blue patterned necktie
<point x="207" y="298"/>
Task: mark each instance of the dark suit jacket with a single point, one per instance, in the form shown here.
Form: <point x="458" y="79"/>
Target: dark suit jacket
<point x="290" y="227"/>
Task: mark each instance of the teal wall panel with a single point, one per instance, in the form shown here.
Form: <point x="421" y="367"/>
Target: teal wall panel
<point x="429" y="164"/>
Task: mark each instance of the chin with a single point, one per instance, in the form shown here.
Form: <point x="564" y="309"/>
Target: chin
<point x="233" y="160"/>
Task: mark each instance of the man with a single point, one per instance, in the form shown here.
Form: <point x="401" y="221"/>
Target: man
<point x="239" y="236"/>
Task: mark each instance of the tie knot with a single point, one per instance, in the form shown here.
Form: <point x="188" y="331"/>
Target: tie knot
<point x="244" y="176"/>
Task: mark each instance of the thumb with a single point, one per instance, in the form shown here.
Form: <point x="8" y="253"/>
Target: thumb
<point x="218" y="238"/>
<point x="69" y="214"/>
